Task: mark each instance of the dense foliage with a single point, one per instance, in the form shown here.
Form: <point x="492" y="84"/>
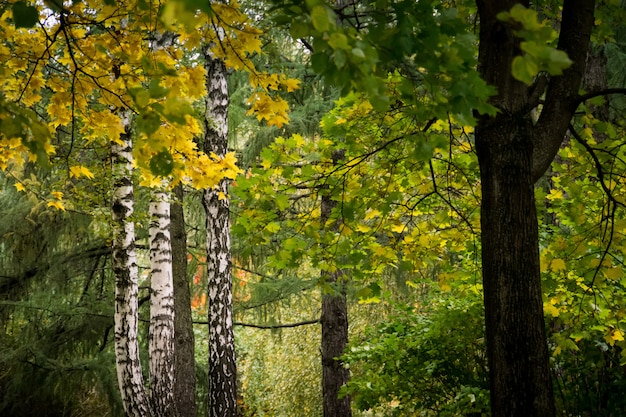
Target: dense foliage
<point x="370" y="108"/>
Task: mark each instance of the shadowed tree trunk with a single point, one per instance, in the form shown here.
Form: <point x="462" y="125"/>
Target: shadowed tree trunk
<point x="222" y="368"/>
<point x="184" y="362"/>
<point x="334" y="322"/>
<point x="513" y="153"/>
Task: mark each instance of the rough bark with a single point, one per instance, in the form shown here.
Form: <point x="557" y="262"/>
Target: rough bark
<point x="124" y="263"/>
<point x="334" y="322"/>
<point x="516" y="341"/>
<point x="513" y="154"/>
<point x="184" y="362"/>
<point x="222" y="369"/>
<point x="161" y="345"/>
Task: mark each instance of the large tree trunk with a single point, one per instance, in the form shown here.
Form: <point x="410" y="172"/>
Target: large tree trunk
<point x="161" y="345"/>
<point x="513" y="154"/>
<point x="222" y="369"/>
<point x="334" y="322"/>
<point x="516" y="342"/>
<point x="185" y="364"/>
<point x="124" y="262"/>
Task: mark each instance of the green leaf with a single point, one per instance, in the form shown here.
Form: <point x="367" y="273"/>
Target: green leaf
<point x="282" y="202"/>
<point x="148" y="122"/>
<point x="340" y="59"/>
<point x="156" y="90"/>
<point x="162" y="163"/>
<point x="338" y="41"/>
<point x="24" y="15"/>
<point x="322" y="18"/>
<point x="299" y="29"/>
<point x="558" y="62"/>
<point x="358" y="52"/>
<point x="319" y="62"/>
<point x="524" y="68"/>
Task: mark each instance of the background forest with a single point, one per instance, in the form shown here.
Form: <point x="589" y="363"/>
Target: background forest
<point x="300" y="208"/>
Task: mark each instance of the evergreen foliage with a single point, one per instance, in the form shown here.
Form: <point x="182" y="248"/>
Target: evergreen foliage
<point x="56" y="357"/>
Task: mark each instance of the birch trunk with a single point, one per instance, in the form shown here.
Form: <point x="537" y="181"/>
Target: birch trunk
<point x="161" y="344"/>
<point x="128" y="366"/>
<point x="222" y="368"/>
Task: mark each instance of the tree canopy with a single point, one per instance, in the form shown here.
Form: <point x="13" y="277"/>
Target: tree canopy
<point x="444" y="179"/>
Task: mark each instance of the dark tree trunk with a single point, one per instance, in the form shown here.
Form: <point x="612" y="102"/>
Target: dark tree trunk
<point x="516" y="339"/>
<point x="334" y="323"/>
<point x="513" y="154"/>
<point x="222" y="367"/>
<point x="185" y="365"/>
<point x="334" y="339"/>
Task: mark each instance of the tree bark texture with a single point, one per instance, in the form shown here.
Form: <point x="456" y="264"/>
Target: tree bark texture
<point x="124" y="263"/>
<point x="513" y="153"/>
<point x="516" y="340"/>
<point x="334" y="322"/>
<point x="222" y="368"/>
<point x="184" y="361"/>
<point x="161" y="345"/>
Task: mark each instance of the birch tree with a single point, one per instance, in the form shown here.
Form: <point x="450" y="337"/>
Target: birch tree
<point x="129" y="374"/>
<point x="161" y="345"/>
<point x="222" y="367"/>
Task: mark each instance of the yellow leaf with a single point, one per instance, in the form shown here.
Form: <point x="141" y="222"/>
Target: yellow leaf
<point x="613" y="273"/>
<point x="272" y="227"/>
<point x="618" y="335"/>
<point x="554" y="195"/>
<point x="615" y="335"/>
<point x="19" y="186"/>
<point x="57" y="205"/>
<point x="77" y="171"/>
<point x="363" y="228"/>
<point x="371" y="213"/>
<point x="57" y="194"/>
<point x="550" y="309"/>
<point x="291" y="84"/>
<point x="557" y="265"/>
<point x="266" y="164"/>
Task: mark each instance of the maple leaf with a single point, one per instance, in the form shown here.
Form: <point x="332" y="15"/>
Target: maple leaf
<point x="557" y="265"/>
<point x="57" y="205"/>
<point x="77" y="171"/>
<point x="291" y="84"/>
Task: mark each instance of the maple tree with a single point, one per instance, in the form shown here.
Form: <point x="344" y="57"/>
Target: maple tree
<point x="513" y="150"/>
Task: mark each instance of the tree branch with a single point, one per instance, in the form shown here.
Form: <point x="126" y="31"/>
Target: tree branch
<point x="562" y="96"/>
<point x="605" y="92"/>
<point x="269" y="326"/>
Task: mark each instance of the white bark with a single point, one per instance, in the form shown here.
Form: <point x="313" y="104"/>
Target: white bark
<point x="161" y="308"/>
<point x="222" y="367"/>
<point x="128" y="366"/>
